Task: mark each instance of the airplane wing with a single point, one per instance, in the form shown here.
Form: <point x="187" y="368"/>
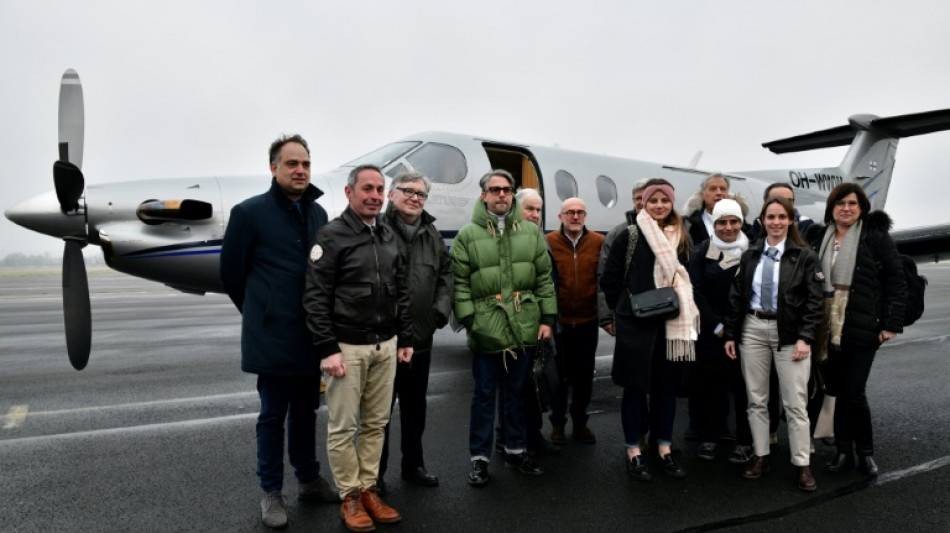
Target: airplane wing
<point x="925" y="244"/>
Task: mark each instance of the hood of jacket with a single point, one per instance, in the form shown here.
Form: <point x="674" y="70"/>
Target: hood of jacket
<point x="694" y="204"/>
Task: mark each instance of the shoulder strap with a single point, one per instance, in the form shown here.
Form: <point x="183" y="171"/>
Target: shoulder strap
<point x="631" y="246"/>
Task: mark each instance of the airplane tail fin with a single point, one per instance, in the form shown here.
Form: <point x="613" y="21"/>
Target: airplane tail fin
<point x="873" y="145"/>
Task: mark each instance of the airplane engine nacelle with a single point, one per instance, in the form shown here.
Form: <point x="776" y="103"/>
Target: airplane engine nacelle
<point x="158" y="211"/>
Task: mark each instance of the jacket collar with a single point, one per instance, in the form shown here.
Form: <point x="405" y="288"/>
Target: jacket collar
<point x="350" y="218"/>
<point x="308" y="197"/>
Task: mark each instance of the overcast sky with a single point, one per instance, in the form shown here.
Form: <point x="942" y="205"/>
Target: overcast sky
<point x="185" y="88"/>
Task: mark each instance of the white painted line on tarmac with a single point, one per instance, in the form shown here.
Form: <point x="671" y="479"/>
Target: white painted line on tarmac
<point x="153" y="403"/>
<point x="145" y="428"/>
<point x="15" y="416"/>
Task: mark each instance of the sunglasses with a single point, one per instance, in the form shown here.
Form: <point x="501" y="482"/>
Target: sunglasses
<point x="498" y="190"/>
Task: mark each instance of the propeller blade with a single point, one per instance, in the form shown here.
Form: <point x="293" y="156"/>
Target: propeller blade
<point x="69" y="183"/>
<point x="76" y="310"/>
<point x="71" y="118"/>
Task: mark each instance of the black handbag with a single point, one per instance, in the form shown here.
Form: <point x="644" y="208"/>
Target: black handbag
<point x="545" y="374"/>
<point x="657" y="303"/>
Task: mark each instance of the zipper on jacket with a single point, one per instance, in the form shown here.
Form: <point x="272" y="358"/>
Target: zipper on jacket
<point x="379" y="281"/>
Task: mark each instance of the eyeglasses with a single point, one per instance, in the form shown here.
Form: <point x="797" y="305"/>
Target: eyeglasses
<point x="498" y="190"/>
<point x="575" y="213"/>
<point x="409" y="193"/>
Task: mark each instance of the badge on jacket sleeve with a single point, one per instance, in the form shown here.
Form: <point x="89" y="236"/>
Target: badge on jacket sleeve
<point x="819" y="275"/>
<point x="316" y="253"/>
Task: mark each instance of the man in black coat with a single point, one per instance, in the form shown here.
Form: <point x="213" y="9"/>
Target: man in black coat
<point x="263" y="262"/>
<point x="431" y="278"/>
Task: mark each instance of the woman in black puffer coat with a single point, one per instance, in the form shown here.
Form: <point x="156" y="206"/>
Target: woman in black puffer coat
<point x="865" y="278"/>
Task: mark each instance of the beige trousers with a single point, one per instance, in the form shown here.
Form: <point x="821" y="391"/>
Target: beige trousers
<point x="359" y="407"/>
<point x="759" y="347"/>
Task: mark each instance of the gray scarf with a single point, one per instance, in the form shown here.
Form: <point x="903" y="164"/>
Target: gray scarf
<point x="841" y="269"/>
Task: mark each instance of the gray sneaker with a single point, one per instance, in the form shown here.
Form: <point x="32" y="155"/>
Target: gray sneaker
<point x="273" y="513"/>
<point x="317" y="491"/>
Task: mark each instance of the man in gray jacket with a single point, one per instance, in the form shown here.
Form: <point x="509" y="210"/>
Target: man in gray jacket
<point x="429" y="271"/>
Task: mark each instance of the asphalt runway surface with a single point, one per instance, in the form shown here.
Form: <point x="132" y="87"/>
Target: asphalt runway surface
<point x="157" y="434"/>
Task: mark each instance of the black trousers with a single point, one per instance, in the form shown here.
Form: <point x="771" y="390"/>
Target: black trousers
<point x="576" y="351"/>
<point x="849" y="370"/>
<point x="717" y="387"/>
<point x="411" y="386"/>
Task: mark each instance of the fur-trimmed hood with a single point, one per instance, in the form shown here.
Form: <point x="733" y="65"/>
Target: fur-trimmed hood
<point x="695" y="204"/>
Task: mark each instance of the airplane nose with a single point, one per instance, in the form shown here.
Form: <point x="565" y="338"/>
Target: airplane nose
<point x="43" y="215"/>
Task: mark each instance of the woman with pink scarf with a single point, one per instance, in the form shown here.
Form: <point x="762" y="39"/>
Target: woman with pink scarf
<point x="649" y="351"/>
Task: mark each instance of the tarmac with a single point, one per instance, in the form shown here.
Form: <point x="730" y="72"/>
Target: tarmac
<point x="157" y="434"/>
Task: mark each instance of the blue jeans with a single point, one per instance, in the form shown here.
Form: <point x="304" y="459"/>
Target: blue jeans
<point x="488" y="369"/>
<point x="295" y="399"/>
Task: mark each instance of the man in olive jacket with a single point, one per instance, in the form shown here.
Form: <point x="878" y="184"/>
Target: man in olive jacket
<point x="504" y="296"/>
<point x="263" y="260"/>
<point x="429" y="269"/>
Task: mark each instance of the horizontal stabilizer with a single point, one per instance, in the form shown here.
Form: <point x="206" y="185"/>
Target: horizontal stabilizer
<point x="895" y="127"/>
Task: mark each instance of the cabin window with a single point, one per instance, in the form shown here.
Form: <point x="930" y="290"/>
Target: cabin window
<point x="606" y="191"/>
<point x="565" y="184"/>
<point x="385" y="155"/>
<point x="440" y="163"/>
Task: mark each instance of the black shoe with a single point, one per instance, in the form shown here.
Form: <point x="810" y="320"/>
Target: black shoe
<point x="671" y="467"/>
<point x="841" y="462"/>
<point x="419" y="476"/>
<point x="522" y="463"/>
<point x="478" y="476"/>
<point x="866" y="465"/>
<point x="707" y="451"/>
<point x="541" y="445"/>
<point x="638" y="469"/>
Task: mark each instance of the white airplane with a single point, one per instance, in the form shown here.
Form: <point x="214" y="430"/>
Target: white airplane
<point x="170" y="230"/>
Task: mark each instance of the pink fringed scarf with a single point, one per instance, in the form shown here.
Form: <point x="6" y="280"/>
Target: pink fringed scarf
<point x="682" y="331"/>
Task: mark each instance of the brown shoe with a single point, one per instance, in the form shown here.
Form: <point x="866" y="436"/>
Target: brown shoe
<point x="377" y="509"/>
<point x="758" y="467"/>
<point x="353" y="514"/>
<point x="585" y="435"/>
<point x="806" y="481"/>
<point x="557" y="435"/>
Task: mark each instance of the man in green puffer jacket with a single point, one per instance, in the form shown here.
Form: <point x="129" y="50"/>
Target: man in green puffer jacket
<point x="504" y="296"/>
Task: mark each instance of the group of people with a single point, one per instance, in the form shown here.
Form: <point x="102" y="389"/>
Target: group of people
<point x="356" y="300"/>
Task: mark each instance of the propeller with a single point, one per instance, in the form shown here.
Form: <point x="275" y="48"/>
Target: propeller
<point x="70" y="183"/>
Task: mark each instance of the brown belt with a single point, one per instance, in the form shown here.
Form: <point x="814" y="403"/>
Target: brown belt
<point x="764" y="315"/>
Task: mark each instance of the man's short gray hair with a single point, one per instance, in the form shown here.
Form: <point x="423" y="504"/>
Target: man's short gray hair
<point x="714" y="175"/>
<point x="410" y="177"/>
<point x="639" y="185"/>
<point x="526" y="192"/>
<point x="483" y="183"/>
<point x="354" y="174"/>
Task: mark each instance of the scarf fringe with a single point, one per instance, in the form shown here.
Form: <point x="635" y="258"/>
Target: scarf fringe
<point x="680" y="350"/>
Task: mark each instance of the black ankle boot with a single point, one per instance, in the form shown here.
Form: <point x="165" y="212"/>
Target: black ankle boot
<point x="841" y="462"/>
<point x="866" y="465"/>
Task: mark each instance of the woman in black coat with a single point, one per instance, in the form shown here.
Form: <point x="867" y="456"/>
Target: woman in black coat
<point x="865" y="279"/>
<point x="648" y="350"/>
<point x="717" y="379"/>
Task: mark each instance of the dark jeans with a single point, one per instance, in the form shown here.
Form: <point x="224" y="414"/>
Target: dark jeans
<point x="411" y="386"/>
<point x="532" y="411"/>
<point x="295" y="399"/>
<point x="849" y="369"/>
<point x="489" y="372"/>
<point x="718" y="386"/>
<point x="662" y="406"/>
<point x="576" y="349"/>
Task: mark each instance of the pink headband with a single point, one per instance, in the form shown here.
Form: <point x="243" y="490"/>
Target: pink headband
<point x="653" y="189"/>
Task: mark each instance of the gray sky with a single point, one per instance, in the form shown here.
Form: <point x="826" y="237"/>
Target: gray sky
<point x="184" y="88"/>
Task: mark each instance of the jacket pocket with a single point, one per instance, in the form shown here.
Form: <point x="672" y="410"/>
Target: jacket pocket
<point x="351" y="300"/>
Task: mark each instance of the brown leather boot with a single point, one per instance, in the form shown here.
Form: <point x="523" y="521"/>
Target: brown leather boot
<point x="377" y="509"/>
<point x="353" y="514"/>
<point x="758" y="467"/>
<point x="806" y="481"/>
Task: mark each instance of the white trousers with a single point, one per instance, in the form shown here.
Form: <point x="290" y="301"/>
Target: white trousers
<point x="759" y="347"/>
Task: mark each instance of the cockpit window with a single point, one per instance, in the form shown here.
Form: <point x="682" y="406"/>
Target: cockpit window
<point x="440" y="163"/>
<point x="385" y="155"/>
